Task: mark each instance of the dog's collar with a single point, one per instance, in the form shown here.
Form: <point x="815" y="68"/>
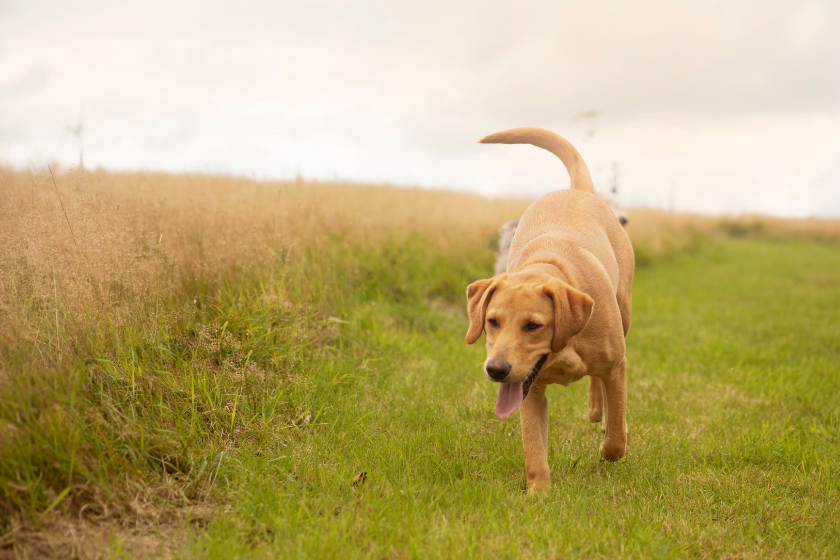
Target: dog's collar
<point x="533" y="376"/>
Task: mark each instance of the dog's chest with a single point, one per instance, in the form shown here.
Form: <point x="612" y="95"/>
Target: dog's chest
<point x="564" y="367"/>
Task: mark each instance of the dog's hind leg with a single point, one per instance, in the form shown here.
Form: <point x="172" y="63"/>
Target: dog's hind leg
<point x="533" y="416"/>
<point x="614" y="445"/>
<point x="596" y="400"/>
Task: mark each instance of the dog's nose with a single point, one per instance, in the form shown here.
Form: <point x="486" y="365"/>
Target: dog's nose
<point x="497" y="369"/>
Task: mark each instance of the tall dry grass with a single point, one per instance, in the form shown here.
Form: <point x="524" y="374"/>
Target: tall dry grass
<point x="90" y="249"/>
<point x="656" y="233"/>
<point x="82" y="249"/>
<point x="659" y="231"/>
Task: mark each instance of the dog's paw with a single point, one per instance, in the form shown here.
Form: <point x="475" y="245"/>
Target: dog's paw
<point x="612" y="450"/>
<point x="595" y="415"/>
<point x="537" y="487"/>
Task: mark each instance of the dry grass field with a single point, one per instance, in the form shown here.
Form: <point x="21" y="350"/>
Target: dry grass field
<point x="178" y="350"/>
<point x="92" y="248"/>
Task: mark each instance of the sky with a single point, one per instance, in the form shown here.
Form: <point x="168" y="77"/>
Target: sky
<point x="713" y="107"/>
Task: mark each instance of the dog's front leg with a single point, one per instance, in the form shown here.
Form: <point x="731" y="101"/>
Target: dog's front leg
<point x="596" y="400"/>
<point x="614" y="445"/>
<point x="534" y="418"/>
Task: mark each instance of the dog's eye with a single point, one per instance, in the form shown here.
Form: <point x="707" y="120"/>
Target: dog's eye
<point x="532" y="326"/>
<point x="493" y="322"/>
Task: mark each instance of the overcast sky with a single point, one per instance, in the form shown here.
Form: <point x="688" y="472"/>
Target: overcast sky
<point x="720" y="106"/>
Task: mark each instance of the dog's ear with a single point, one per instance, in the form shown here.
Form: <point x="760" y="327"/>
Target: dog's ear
<point x="572" y="310"/>
<point x="478" y="298"/>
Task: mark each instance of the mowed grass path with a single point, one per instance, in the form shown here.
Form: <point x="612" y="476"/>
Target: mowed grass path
<point x="734" y="390"/>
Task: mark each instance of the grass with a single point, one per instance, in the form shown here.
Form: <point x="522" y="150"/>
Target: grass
<point x="275" y="382"/>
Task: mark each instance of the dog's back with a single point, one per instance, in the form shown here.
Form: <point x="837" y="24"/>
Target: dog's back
<point x="566" y="224"/>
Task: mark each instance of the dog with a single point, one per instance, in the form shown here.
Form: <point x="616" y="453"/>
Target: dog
<point x="561" y="311"/>
<point x="505" y="239"/>
<point x="620" y="213"/>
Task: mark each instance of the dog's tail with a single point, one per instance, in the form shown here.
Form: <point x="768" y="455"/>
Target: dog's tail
<point x="554" y="143"/>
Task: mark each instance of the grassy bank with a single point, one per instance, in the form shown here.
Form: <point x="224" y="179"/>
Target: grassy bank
<point x="216" y="367"/>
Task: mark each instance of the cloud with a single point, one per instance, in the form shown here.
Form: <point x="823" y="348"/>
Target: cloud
<point x="735" y="102"/>
<point x="30" y="81"/>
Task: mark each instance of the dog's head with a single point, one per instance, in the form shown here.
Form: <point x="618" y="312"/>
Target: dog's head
<point x="526" y="316"/>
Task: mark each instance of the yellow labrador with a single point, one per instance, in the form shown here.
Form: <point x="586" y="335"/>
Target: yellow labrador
<point x="561" y="311"/>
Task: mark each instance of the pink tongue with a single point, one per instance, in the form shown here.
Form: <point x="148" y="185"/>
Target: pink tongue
<point x="510" y="397"/>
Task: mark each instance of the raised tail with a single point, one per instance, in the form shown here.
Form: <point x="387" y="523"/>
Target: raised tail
<point x="554" y="143"/>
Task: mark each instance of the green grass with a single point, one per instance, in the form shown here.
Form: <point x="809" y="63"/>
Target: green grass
<point x="268" y="396"/>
